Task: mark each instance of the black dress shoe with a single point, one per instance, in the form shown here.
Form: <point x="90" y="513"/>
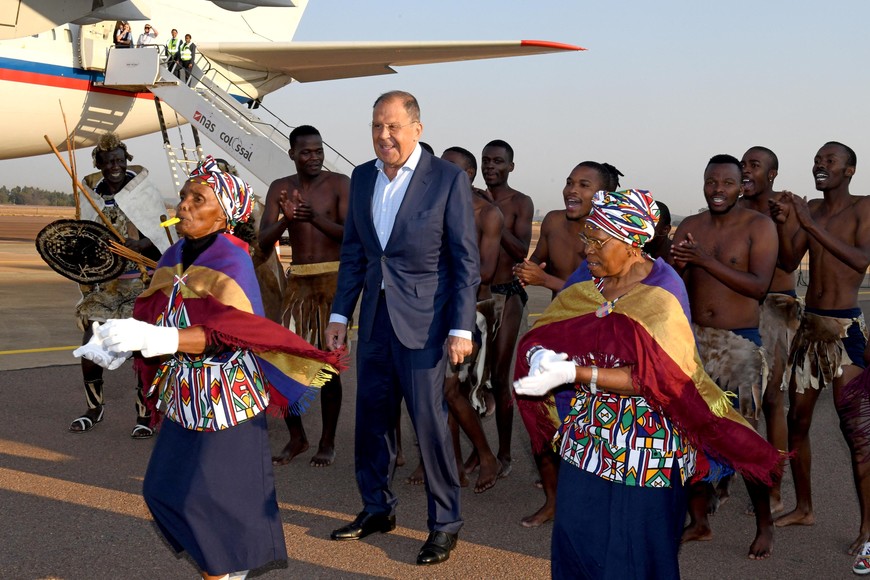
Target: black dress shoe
<point x="364" y="525"/>
<point x="437" y="548"/>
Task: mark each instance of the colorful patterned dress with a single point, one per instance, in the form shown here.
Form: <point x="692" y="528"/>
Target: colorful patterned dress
<point x="620" y="502"/>
<point x="209" y="483"/>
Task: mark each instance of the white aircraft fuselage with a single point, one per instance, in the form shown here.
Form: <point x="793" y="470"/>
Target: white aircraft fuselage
<point x="63" y="67"/>
<point x="250" y="53"/>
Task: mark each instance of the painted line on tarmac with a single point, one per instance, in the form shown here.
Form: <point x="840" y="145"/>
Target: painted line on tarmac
<point x="33" y="350"/>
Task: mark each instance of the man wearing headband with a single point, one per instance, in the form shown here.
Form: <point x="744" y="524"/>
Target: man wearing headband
<point x="726" y="256"/>
<point x="310" y="206"/>
<point x="639" y="414"/>
<point x="112" y="299"/>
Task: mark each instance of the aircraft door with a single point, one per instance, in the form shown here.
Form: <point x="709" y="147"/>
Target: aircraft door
<point x="94" y="43"/>
<point x="9" y="13"/>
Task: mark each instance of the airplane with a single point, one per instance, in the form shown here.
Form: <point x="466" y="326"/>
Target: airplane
<point x="57" y="50"/>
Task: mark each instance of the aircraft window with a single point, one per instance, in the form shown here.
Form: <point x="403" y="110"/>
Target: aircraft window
<point x="68" y="34"/>
<point x="35" y="35"/>
<point x="53" y="34"/>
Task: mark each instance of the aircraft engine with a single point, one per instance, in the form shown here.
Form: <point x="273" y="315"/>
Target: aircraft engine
<point x="248" y="4"/>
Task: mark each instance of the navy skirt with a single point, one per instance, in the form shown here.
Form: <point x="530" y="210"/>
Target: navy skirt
<point x="212" y="494"/>
<point x="608" y="530"/>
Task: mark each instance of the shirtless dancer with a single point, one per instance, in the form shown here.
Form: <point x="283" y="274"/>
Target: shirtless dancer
<point x="311" y="205"/>
<point x="463" y="387"/>
<point x="510" y="296"/>
<point x="780" y="311"/>
<point x="836" y="231"/>
<point x="727" y="256"/>
<point x="560" y="250"/>
<point x="558" y="254"/>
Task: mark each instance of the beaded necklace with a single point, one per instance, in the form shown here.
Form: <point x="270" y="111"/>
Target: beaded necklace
<point x="606" y="308"/>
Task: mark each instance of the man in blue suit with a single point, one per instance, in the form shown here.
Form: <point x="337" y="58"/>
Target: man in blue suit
<point x="410" y="247"/>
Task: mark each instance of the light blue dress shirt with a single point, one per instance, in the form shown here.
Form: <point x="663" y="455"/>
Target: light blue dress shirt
<point x="387" y="199"/>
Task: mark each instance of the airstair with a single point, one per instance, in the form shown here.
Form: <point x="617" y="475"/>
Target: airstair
<point x="214" y="107"/>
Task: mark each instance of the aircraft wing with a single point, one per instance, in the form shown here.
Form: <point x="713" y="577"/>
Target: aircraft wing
<point x="320" y="61"/>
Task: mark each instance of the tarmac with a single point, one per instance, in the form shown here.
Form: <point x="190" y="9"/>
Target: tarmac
<point x="71" y="506"/>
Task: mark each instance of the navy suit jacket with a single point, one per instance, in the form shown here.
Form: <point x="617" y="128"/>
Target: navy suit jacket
<point x="431" y="264"/>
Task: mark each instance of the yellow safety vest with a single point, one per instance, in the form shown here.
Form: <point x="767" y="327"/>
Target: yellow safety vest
<point x="186" y="53"/>
<point x="172" y="46"/>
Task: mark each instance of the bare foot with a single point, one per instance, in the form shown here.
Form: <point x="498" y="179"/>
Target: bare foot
<point x="324" y="457"/>
<point x="489" y="399"/>
<point x="696" y="532"/>
<point x="400" y="458"/>
<point x="776" y="504"/>
<point x="713" y="505"/>
<point x="489" y="474"/>
<point x="795" y="518"/>
<point x="417" y="477"/>
<point x="506" y="467"/>
<point x="858" y="543"/>
<point x="540" y="517"/>
<point x="762" y="546"/>
<point x="291" y="450"/>
<point x="463" y="479"/>
<point x="472" y="463"/>
<point x="723" y="494"/>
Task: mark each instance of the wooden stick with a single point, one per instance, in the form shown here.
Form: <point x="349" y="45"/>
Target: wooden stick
<point x="71" y="149"/>
<point x="81" y="188"/>
<point x="132" y="255"/>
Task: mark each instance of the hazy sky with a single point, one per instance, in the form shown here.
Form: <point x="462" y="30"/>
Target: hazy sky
<point x="663" y="87"/>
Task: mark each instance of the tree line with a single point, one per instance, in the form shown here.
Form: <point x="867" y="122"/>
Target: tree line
<point x="27" y="195"/>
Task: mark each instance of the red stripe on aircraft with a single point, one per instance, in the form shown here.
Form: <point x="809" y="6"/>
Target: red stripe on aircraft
<point x="548" y="44"/>
<point x="64" y="83"/>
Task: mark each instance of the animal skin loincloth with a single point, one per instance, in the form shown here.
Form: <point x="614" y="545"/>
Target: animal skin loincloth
<point x="780" y="320"/>
<point x="112" y="299"/>
<point x="474" y="369"/>
<point x="734" y="361"/>
<point x="271" y="278"/>
<point x="817" y="352"/>
<point x="308" y="300"/>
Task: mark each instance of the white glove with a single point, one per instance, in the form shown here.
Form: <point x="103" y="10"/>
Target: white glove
<point x="551" y="375"/>
<point x="544" y="355"/>
<point x="120" y="334"/>
<point x="95" y="351"/>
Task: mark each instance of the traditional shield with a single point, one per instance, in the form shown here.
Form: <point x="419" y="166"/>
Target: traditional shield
<point x="79" y="250"/>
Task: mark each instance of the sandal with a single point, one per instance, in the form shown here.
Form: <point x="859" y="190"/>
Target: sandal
<point x="142" y="432"/>
<point x="862" y="561"/>
<point x="85" y="423"/>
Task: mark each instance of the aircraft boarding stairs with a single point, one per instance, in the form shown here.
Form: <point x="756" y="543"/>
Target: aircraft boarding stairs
<point x="211" y="104"/>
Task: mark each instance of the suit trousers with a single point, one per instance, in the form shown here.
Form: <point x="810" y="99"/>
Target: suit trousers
<point x="387" y="372"/>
